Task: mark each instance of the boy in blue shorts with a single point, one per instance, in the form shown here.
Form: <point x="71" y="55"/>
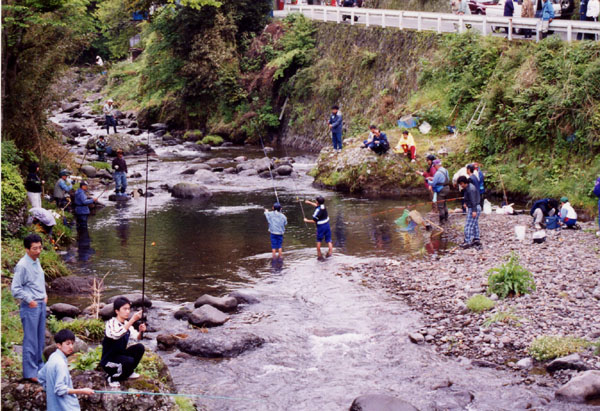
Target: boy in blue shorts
<point x="321" y="219"/>
<point x="277" y="222"/>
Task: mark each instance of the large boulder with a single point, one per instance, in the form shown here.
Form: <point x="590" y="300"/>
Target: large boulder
<point x="89" y="171"/>
<point x="207" y="316"/>
<point x="206" y="177"/>
<point x="104" y="174"/>
<point x="219" y="344"/>
<point x="247" y="173"/>
<point x="61" y="310"/>
<point x="570" y="362"/>
<point x="221" y="303"/>
<point x="72" y="285"/>
<point x="117" y="141"/>
<point x="73" y="130"/>
<point x="284" y="170"/>
<point x="583" y="387"/>
<point x="244" y="298"/>
<point x="380" y="402"/>
<point x="135" y="298"/>
<point x="107" y="312"/>
<point x="190" y="190"/>
<point x="70" y="107"/>
<point x="262" y="164"/>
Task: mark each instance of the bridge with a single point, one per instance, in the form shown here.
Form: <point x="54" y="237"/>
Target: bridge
<point x="443" y="22"/>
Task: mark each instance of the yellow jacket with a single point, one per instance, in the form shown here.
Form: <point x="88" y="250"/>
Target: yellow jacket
<point x="408" y="141"/>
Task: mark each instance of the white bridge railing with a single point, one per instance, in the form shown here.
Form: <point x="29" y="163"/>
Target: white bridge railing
<point x="440" y="22"/>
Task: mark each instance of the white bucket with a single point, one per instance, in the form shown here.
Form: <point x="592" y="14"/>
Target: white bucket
<point x="520" y="232"/>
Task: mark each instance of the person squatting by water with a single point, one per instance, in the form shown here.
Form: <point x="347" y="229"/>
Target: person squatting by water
<point x="33" y="185"/>
<point x="406" y="145"/>
<point x="471" y="194"/>
<point x="335" y="125"/>
<point x="120" y="174"/>
<point x="541" y="209"/>
<point x="82" y="202"/>
<point x="109" y="116"/>
<point x="377" y="141"/>
<point x="62" y="189"/>
<point x="118" y="360"/>
<point x="277" y="222"/>
<point x="321" y="219"/>
<point x="101" y="148"/>
<point x="29" y="287"/>
<point x="567" y="215"/>
<point x="56" y="379"/>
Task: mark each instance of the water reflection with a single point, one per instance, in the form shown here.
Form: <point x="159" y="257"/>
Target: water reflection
<point x="84" y="244"/>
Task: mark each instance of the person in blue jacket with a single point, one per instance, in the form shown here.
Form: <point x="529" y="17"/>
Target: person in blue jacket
<point x="335" y="125"/>
<point x="377" y="141"/>
<point x="597" y="194"/>
<point x="547" y="17"/>
<point x="481" y="183"/>
<point x="82" y="202"/>
<point x="541" y="209"/>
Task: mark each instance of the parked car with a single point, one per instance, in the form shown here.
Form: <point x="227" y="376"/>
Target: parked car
<point x="479" y="7"/>
<point x="498" y="8"/>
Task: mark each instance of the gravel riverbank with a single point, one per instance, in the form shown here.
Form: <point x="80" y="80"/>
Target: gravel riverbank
<point x="566" y="270"/>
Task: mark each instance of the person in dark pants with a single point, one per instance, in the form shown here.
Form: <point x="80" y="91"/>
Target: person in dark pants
<point x="471" y="193"/>
<point x="82" y="202"/>
<point x="101" y="149"/>
<point x="321" y="218"/>
<point x="439" y="187"/>
<point x="118" y="360"/>
<point x="335" y="125"/>
<point x="509" y="11"/>
<point x="33" y="185"/>
<point x="109" y="115"/>
<point x="378" y="141"/>
<point x="120" y="174"/>
<point x="29" y="287"/>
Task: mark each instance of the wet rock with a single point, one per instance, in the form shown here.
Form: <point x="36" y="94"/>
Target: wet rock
<point x="454" y="400"/>
<point x="244" y="298"/>
<point x="596" y="293"/>
<point x="240" y="159"/>
<point x="416" y="338"/>
<point x="70" y="107"/>
<point x="61" y="310"/>
<point x="189" y="171"/>
<point x="135" y="132"/>
<point x="119" y="114"/>
<point x="380" y="402"/>
<point x="89" y="171"/>
<point x="104" y="174"/>
<point x="247" y="173"/>
<point x="583" y="387"/>
<point x="205" y="177"/>
<point x="216" y="161"/>
<point x="265" y="174"/>
<point x="135" y="298"/>
<point x="74" y="130"/>
<point x="525" y="363"/>
<point x="107" y="312"/>
<point x="72" y="285"/>
<point x="136" y="175"/>
<point x="203" y="147"/>
<point x="158" y="126"/>
<point x="221" y="303"/>
<point x="218" y="169"/>
<point x="190" y="190"/>
<point x="166" y="341"/>
<point x="570" y="362"/>
<point x="229" y="170"/>
<point x="182" y="314"/>
<point x="284" y="170"/>
<point x="207" y="316"/>
<point x="262" y="164"/>
<point x="219" y="344"/>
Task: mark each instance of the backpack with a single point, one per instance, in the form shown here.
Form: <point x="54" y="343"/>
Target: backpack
<point x="552" y="223"/>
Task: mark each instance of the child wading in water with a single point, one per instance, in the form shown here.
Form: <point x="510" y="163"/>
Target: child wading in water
<point x="321" y="219"/>
<point x="118" y="360"/>
<point x="277" y="222"/>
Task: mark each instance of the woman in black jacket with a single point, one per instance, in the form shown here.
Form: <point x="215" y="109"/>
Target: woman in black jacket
<point x="33" y="185"/>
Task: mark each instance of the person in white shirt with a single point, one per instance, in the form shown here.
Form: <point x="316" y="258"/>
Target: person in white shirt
<point x="109" y="115"/>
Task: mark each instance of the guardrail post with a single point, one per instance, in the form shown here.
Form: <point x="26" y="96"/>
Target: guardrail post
<point x="367" y="18"/>
<point x="484" y="28"/>
<point x="352" y="17"/>
<point x="510" y="28"/>
<point x="337" y="15"/>
<point x="461" y="26"/>
<point x="570" y="32"/>
<point x="419" y="23"/>
<point x="325" y="14"/>
<point x="538" y="28"/>
<point x="439" y="25"/>
<point x="383" y="19"/>
<point x="312" y="13"/>
<point x="400" y="25"/>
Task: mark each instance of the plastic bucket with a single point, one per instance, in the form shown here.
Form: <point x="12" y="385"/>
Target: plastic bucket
<point x="520" y="232"/>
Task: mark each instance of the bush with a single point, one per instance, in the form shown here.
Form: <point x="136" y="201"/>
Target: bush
<point x="87" y="361"/>
<point x="479" y="303"/>
<point x="212" y="140"/>
<point x="510" y="278"/>
<point x="90" y="329"/>
<point x="506" y="317"/>
<point x="13" y="189"/>
<point x="101" y="165"/>
<point x="192" y="135"/>
<point x="12" y="330"/>
<point x="548" y="347"/>
<point x="53" y="264"/>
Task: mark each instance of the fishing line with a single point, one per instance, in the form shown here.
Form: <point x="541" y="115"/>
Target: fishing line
<point x="414" y="205"/>
<point x="145" y="227"/>
<point x="270" y="172"/>
<point x="295" y="188"/>
<point x="171" y="394"/>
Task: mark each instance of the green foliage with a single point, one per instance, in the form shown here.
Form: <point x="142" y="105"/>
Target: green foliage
<point x="12" y="330"/>
<point x="90" y="329"/>
<point x="297" y="44"/>
<point x="101" y="165"/>
<point x="479" y="303"/>
<point x="184" y="404"/>
<point x="510" y="278"/>
<point x="506" y="317"/>
<point x="13" y="189"/>
<point x="212" y="140"/>
<point x="192" y="135"/>
<point x="87" y="361"/>
<point x="114" y="20"/>
<point x="52" y="263"/>
<point x="262" y="120"/>
<point x="549" y="347"/>
<point x="367" y="59"/>
<point x="10" y="153"/>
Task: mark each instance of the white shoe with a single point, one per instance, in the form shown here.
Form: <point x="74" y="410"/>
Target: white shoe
<point x="597" y="233"/>
<point x="413" y="161"/>
<point x="113" y="384"/>
<point x="134" y="376"/>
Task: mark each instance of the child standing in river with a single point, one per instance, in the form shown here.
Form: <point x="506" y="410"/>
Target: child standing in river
<point x="321" y="219"/>
<point x="277" y="222"/>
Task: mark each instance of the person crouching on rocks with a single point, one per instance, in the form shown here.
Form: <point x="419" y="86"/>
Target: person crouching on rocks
<point x="277" y="222"/>
<point x="567" y="215"/>
<point x="118" y="360"/>
<point x="120" y="174"/>
<point x="377" y="141"/>
<point x="321" y="219"/>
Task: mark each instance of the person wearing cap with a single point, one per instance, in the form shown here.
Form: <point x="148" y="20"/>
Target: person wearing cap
<point x="406" y="145"/>
<point x="82" y="202"/>
<point x="33" y="185"/>
<point x="109" y="115"/>
<point x="439" y="187"/>
<point x="335" y="125"/>
<point x="471" y="194"/>
<point x="321" y="219"/>
<point x="430" y="171"/>
<point x="567" y="214"/>
<point x="101" y="148"/>
<point x="120" y="173"/>
<point x="62" y="189"/>
<point x="277" y="222"/>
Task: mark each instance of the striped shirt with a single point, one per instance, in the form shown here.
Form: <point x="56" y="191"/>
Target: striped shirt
<point x="116" y="329"/>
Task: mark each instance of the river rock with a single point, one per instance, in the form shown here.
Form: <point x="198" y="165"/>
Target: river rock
<point x="182" y="314"/>
<point x="207" y="316"/>
<point x="265" y="174"/>
<point x="221" y="303"/>
<point x="416" y="338"/>
<point x="74" y="130"/>
<point x="190" y="190"/>
<point x="203" y="147"/>
<point x="240" y="159"/>
<point x="205" y="177"/>
<point x="248" y="173"/>
<point x="525" y="363"/>
<point x="89" y="171"/>
<point x="262" y="164"/>
<point x="570" y="362"/>
<point x="596" y="293"/>
<point x="72" y="285"/>
<point x="166" y="341"/>
<point x="244" y="298"/>
<point x="380" y="402"/>
<point x="229" y="170"/>
<point x="107" y="312"/>
<point x="61" y="310"/>
<point x="284" y="170"/>
<point x="135" y="298"/>
<point x="70" y="107"/>
<point x="584" y="386"/>
<point x="104" y="174"/>
<point x="158" y="126"/>
<point x="219" y="344"/>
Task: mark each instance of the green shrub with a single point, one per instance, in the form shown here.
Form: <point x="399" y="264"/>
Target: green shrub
<point x="367" y="59"/>
<point x="212" y="140"/>
<point x="90" y="329"/>
<point x="53" y="264"/>
<point x="507" y="317"/>
<point x="13" y="189"/>
<point x="101" y="165"/>
<point x="548" y="347"/>
<point x="10" y="153"/>
<point x="184" y="404"/>
<point x="12" y="330"/>
<point x="510" y="278"/>
<point x="192" y="135"/>
<point x="87" y="361"/>
<point x="479" y="303"/>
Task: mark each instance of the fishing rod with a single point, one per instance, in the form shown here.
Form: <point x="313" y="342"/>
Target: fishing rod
<point x="270" y="171"/>
<point x="83" y="160"/>
<point x="296" y="189"/>
<point x="173" y="394"/>
<point x="145" y="230"/>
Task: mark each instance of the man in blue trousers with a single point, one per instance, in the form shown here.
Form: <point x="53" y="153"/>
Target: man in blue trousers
<point x="335" y="124"/>
<point x="29" y="286"/>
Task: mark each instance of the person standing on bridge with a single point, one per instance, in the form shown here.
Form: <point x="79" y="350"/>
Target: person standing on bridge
<point x="509" y="11"/>
<point x="335" y="125"/>
<point x="593" y="10"/>
<point x="547" y="17"/>
<point x="527" y="12"/>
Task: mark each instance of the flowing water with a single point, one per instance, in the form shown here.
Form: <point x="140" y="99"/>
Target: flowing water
<point x="330" y="337"/>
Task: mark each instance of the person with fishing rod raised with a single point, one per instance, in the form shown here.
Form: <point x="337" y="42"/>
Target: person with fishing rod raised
<point x="82" y="202"/>
<point x="321" y="219"/>
<point x="120" y="175"/>
<point x="277" y="222"/>
<point x="118" y="360"/>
